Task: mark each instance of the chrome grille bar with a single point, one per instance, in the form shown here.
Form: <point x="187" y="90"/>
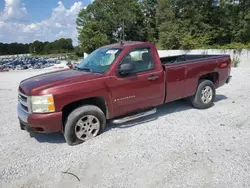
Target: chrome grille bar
<point x="24" y="100"/>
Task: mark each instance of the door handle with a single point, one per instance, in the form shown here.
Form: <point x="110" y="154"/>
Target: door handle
<point x="152" y="78"/>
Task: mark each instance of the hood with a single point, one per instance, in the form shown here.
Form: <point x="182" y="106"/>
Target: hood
<point x="52" y="79"/>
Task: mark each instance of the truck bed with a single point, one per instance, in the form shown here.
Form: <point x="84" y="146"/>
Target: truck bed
<point x="184" y="71"/>
<point x="180" y="59"/>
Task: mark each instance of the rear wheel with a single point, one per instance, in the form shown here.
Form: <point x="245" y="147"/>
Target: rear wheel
<point x="205" y="95"/>
<point x="84" y="123"/>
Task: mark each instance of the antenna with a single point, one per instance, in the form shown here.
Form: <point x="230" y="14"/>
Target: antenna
<point x="123" y="31"/>
<point x="122" y="38"/>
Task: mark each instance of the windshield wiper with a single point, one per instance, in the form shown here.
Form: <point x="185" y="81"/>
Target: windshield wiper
<point x="84" y="69"/>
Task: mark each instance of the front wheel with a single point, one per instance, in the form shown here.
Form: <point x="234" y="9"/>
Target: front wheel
<point x="205" y="95"/>
<point x="84" y="123"/>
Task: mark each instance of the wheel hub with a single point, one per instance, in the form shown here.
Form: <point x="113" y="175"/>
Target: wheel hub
<point x="207" y="95"/>
<point x="87" y="127"/>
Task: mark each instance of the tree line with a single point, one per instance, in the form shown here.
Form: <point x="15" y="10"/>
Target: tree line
<point x="171" y="24"/>
<point x="37" y="47"/>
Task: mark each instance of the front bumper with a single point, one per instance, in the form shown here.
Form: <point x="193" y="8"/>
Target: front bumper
<point x="229" y="79"/>
<point x="43" y="123"/>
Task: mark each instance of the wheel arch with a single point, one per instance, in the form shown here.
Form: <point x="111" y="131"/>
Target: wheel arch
<point x="96" y="101"/>
<point x="213" y="77"/>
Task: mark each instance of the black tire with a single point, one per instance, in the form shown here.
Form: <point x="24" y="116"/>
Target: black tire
<point x="197" y="101"/>
<point x="75" y="115"/>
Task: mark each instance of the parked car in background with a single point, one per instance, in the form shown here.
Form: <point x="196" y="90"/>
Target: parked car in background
<point x="27" y="63"/>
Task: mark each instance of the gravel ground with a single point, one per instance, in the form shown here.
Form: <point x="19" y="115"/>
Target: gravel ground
<point x="177" y="147"/>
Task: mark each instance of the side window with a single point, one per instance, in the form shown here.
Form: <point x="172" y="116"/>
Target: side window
<point x="142" y="59"/>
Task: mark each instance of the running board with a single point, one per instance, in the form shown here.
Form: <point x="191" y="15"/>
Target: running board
<point x="136" y="116"/>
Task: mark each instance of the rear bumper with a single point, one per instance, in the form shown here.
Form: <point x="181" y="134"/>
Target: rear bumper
<point x="229" y="79"/>
<point x="43" y="123"/>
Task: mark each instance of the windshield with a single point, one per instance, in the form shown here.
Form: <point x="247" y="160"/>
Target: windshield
<point x="100" y="60"/>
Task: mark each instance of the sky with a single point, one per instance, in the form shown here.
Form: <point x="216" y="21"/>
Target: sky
<point x="25" y="21"/>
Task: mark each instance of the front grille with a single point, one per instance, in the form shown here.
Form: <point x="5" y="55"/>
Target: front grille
<point x="24" y="101"/>
<point x="26" y="109"/>
<point x="23" y="98"/>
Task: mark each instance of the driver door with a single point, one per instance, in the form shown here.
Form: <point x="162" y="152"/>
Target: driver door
<point x="143" y="89"/>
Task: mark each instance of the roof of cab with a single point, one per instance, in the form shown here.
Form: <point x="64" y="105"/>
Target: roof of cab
<point x="125" y="44"/>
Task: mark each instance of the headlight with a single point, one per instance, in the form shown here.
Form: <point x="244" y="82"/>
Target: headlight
<point x="42" y="104"/>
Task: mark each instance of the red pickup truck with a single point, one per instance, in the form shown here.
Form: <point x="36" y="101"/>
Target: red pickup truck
<point x="118" y="82"/>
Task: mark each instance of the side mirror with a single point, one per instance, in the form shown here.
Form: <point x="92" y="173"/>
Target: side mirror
<point x="126" y="68"/>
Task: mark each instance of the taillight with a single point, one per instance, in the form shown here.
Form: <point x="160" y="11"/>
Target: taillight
<point x="223" y="65"/>
<point x="227" y="64"/>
